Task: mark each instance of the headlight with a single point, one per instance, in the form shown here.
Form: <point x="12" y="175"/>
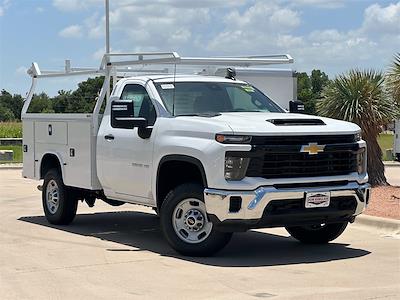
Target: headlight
<point x="233" y="139"/>
<point x="357" y="137"/>
<point x="236" y="167"/>
<point x="361" y="161"/>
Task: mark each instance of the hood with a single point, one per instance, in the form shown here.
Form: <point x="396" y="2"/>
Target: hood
<point x="260" y="123"/>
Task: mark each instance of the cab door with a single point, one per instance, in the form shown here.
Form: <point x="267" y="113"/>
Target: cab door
<point x="125" y="156"/>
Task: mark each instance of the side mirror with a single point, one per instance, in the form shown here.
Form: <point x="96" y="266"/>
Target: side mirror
<point x="296" y="107"/>
<point x="122" y="115"/>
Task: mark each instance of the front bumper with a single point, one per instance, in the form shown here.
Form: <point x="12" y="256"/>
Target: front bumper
<point x="273" y="207"/>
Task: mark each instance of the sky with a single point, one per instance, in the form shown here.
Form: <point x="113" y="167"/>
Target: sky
<point x="331" y="35"/>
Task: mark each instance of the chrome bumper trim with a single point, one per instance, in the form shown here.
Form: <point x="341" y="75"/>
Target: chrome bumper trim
<point x="254" y="202"/>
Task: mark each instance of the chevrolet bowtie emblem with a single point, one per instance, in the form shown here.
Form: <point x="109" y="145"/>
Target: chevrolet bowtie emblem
<point x="312" y="148"/>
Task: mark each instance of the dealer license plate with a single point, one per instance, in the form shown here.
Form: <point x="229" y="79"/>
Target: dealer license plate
<point x="318" y="199"/>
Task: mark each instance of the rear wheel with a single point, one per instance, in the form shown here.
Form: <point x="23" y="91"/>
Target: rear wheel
<point x="185" y="223"/>
<point x="317" y="234"/>
<point x="58" y="204"/>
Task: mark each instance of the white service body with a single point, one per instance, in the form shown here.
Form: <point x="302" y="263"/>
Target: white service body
<point x="396" y="146"/>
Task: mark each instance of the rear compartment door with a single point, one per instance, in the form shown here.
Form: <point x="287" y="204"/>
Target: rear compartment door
<point x="28" y="148"/>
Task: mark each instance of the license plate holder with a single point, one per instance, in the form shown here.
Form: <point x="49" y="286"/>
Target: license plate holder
<point x="317" y="199"/>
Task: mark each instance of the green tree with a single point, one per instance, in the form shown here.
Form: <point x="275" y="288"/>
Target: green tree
<point x="83" y="99"/>
<point x="41" y="104"/>
<point x="11" y="106"/>
<point x="5" y="114"/>
<point x="309" y="89"/>
<point x="60" y="102"/>
<point x="359" y="97"/>
<point x="318" y="81"/>
<point x="393" y="79"/>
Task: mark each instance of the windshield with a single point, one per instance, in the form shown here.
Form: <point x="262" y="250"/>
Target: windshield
<point x="196" y="98"/>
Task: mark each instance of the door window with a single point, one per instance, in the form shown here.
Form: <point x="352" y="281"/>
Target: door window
<point x="142" y="105"/>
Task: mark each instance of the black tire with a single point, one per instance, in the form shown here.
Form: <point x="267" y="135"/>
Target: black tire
<point x="317" y="234"/>
<point x="215" y="240"/>
<point x="64" y="212"/>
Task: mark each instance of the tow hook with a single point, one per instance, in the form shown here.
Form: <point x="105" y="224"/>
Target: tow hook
<point x="40" y="187"/>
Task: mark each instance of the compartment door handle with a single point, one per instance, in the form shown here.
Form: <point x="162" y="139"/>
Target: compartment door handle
<point x="109" y="137"/>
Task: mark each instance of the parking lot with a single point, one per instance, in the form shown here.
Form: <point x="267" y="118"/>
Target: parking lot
<point x="119" y="253"/>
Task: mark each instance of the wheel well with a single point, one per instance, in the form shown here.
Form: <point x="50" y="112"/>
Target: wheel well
<point x="175" y="171"/>
<point x="49" y="161"/>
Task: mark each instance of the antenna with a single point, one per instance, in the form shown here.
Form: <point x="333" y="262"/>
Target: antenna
<point x="108" y="46"/>
<point x="107" y="26"/>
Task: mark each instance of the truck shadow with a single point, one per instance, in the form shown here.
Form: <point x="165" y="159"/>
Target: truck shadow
<point x="251" y="249"/>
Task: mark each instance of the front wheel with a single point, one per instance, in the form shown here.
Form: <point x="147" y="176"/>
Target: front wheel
<point x="59" y="206"/>
<point x="317" y="234"/>
<point x="185" y="223"/>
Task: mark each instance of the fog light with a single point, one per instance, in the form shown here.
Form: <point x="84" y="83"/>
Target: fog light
<point x="236" y="167"/>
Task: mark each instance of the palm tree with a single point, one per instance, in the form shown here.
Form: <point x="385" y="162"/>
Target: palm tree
<point x="393" y="79"/>
<point x="360" y="97"/>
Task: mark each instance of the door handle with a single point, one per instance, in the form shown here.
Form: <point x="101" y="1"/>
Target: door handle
<point x="109" y="137"/>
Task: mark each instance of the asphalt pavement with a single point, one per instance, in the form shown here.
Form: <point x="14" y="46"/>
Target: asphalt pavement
<point x="119" y="253"/>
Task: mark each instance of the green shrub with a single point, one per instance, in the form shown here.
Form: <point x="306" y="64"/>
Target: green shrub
<point x="10" y="130"/>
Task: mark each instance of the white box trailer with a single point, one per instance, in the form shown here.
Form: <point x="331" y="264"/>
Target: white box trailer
<point x="278" y="84"/>
<point x="396" y="146"/>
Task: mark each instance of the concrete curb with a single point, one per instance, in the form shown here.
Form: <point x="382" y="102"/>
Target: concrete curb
<point x="12" y="166"/>
<point x="391" y="164"/>
<point x="381" y="224"/>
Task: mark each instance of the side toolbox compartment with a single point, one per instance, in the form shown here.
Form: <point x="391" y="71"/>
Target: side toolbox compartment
<point x="28" y="148"/>
<point x="50" y="137"/>
<point x="80" y="166"/>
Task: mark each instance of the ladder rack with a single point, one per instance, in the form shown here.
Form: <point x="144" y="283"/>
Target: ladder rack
<point x="117" y="65"/>
<point x="123" y="62"/>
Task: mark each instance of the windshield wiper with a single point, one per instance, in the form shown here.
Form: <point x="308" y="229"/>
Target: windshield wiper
<point x="207" y="115"/>
<point x="240" y="110"/>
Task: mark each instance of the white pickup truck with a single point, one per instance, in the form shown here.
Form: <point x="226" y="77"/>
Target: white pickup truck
<point x="211" y="155"/>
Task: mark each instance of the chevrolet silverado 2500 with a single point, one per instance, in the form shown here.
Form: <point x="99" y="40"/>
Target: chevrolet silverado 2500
<point x="211" y="155"/>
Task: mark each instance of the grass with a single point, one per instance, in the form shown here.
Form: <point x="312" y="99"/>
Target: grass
<point x="10" y="130"/>
<point x="17" y="153"/>
<point x="386" y="142"/>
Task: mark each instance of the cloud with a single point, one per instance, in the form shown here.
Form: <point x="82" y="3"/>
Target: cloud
<point x="76" y="5"/>
<point x="270" y="27"/>
<point x="73" y="31"/>
<point x="384" y="20"/>
<point x="238" y="27"/>
<point x="4" y="6"/>
<point x="21" y="70"/>
<point x="261" y="25"/>
<point x="154" y="24"/>
<point x="328" y="4"/>
<point x="98" y="54"/>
